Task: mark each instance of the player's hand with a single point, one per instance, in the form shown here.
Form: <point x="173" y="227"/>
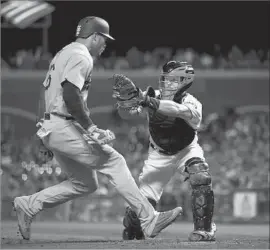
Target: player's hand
<point x="101" y="136"/>
<point x="104" y="136"/>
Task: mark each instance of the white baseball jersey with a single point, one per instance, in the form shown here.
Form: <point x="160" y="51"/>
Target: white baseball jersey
<point x="195" y="108"/>
<point x="73" y="63"/>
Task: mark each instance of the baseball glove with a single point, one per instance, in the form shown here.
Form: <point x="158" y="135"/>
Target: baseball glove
<point x="126" y="93"/>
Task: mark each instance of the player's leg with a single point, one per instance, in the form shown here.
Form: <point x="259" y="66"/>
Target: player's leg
<point x="68" y="146"/>
<point x="119" y="175"/>
<point x="156" y="173"/>
<point x="80" y="182"/>
<point x="69" y="142"/>
<point x="193" y="163"/>
<point x="108" y="161"/>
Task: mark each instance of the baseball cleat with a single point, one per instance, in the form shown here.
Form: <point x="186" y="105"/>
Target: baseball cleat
<point x="24" y="221"/>
<point x="140" y="235"/>
<point x="132" y="226"/>
<point x="131" y="234"/>
<point x="128" y="234"/>
<point x="165" y="219"/>
<point x="201" y="235"/>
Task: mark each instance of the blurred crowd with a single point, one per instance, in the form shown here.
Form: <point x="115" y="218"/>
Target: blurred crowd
<point x="236" y="148"/>
<point x="136" y="59"/>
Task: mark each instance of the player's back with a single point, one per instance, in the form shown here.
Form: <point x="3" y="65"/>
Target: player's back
<point x="57" y="74"/>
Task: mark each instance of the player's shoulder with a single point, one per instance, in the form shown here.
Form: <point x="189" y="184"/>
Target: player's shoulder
<point x="188" y="98"/>
<point x="79" y="52"/>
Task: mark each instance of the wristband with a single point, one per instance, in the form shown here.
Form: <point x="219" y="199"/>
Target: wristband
<point x="152" y="103"/>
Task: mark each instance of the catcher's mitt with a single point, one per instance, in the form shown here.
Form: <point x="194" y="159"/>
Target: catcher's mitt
<point x="126" y="93"/>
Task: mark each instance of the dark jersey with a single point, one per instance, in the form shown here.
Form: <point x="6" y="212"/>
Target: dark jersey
<point x="174" y="134"/>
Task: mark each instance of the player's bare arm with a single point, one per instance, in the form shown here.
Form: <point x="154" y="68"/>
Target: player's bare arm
<point x="173" y="109"/>
<point x="165" y="107"/>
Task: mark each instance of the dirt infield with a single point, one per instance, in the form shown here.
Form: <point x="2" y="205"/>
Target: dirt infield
<point x="51" y="235"/>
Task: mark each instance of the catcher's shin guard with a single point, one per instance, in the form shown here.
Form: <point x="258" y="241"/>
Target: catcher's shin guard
<point x="202" y="200"/>
<point x="202" y="207"/>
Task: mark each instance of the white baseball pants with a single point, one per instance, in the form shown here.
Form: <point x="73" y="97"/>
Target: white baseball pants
<point x="159" y="168"/>
<point x="81" y="161"/>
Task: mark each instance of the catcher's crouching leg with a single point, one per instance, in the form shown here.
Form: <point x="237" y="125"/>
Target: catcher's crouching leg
<point x="132" y="224"/>
<point x="202" y="200"/>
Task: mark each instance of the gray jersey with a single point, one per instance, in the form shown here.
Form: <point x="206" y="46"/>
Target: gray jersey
<point x="73" y="63"/>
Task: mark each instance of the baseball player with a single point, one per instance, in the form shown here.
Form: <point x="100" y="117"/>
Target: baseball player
<point x="174" y="116"/>
<point x="81" y="148"/>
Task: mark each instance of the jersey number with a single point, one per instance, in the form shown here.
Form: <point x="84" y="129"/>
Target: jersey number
<point x="49" y="79"/>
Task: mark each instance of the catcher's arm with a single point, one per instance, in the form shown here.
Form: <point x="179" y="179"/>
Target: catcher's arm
<point x="190" y="109"/>
<point x="132" y="101"/>
<point x="129" y="115"/>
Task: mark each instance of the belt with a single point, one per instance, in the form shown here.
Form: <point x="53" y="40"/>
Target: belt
<point x="162" y="151"/>
<point x="47" y="116"/>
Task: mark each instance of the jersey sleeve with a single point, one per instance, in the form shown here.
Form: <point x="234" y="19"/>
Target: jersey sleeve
<point x="77" y="70"/>
<point x="195" y="108"/>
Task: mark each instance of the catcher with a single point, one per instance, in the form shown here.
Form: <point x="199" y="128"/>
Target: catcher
<point x="174" y="117"/>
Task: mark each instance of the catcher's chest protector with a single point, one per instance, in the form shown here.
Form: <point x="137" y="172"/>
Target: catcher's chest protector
<point x="169" y="133"/>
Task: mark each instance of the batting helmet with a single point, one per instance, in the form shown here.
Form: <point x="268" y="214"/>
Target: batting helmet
<point x="91" y="25"/>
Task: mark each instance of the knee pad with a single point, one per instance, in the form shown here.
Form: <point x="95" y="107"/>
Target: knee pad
<point x="198" y="171"/>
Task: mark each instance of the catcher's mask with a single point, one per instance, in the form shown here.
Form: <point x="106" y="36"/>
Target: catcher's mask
<point x="175" y="76"/>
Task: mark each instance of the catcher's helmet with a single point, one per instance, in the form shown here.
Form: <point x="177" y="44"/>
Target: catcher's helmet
<point x="175" y="76"/>
<point x="91" y="25"/>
